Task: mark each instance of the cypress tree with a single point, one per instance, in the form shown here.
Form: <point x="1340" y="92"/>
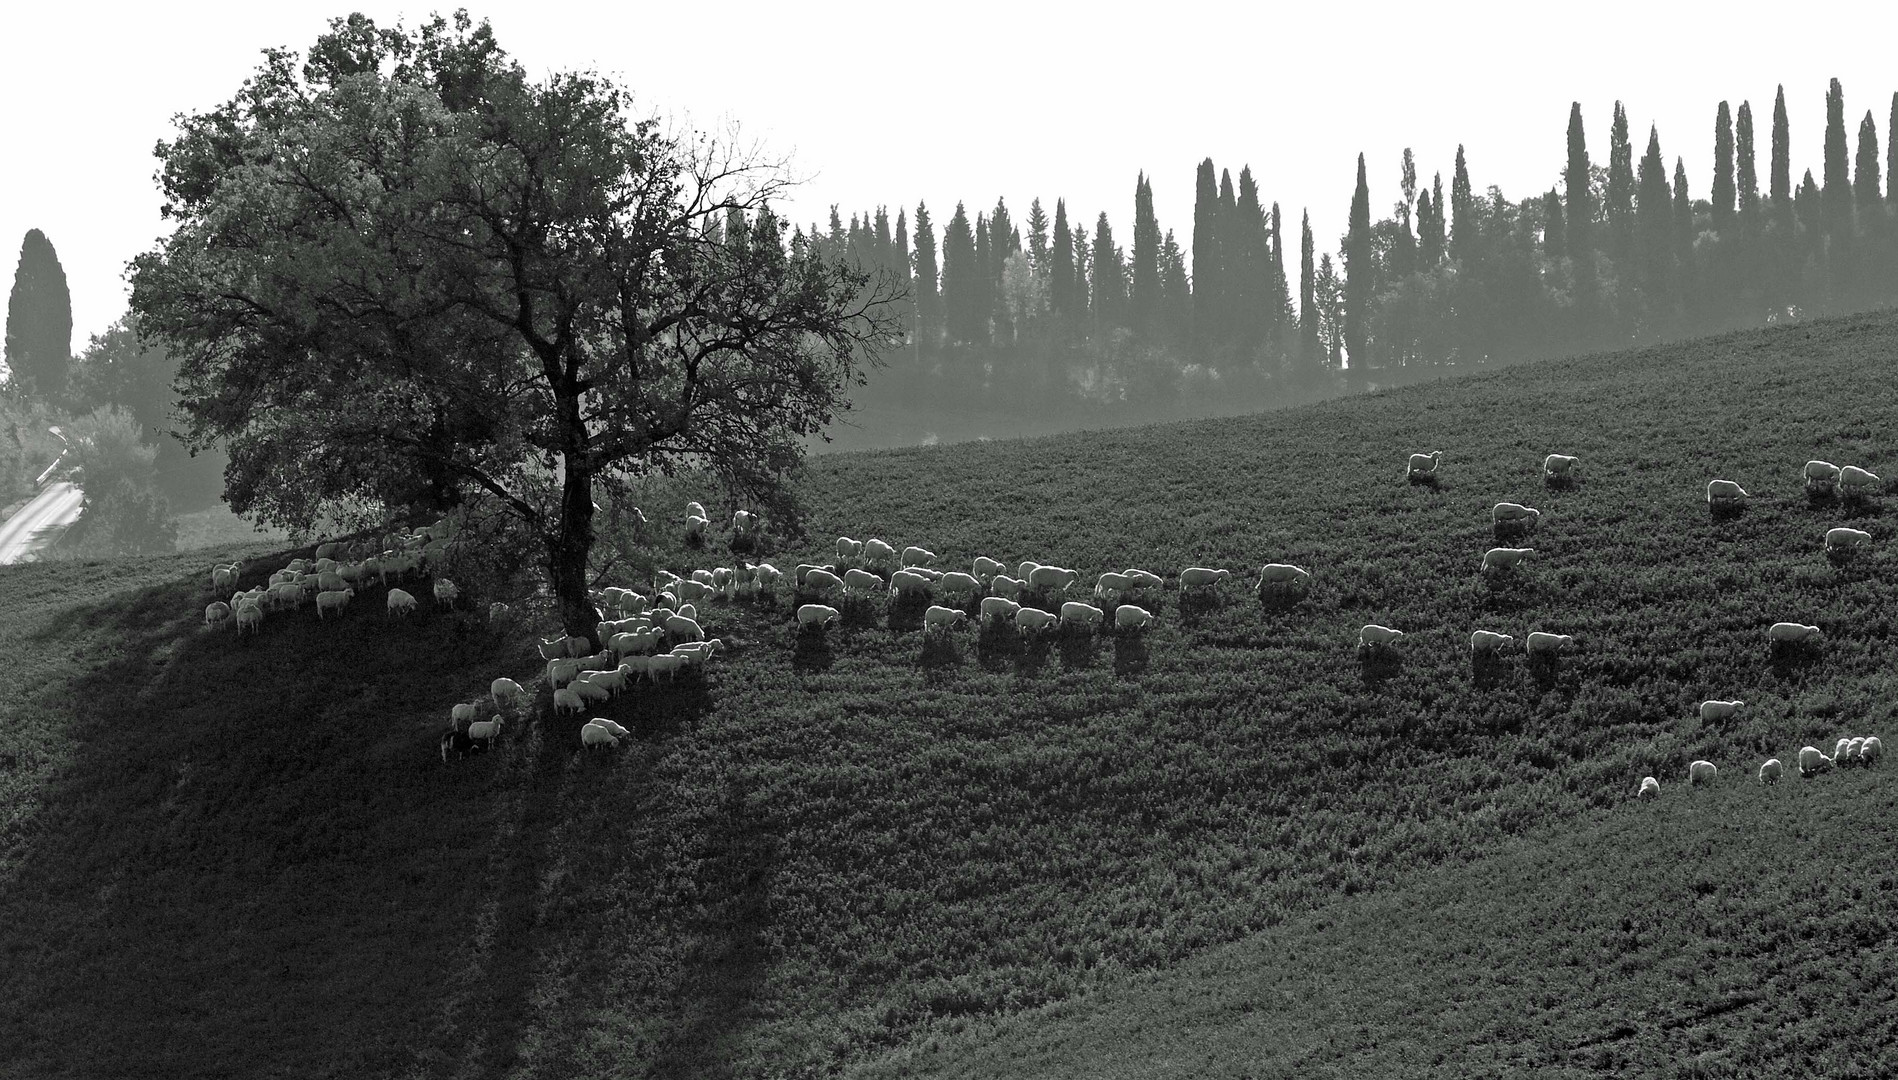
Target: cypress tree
<point x="1723" y="170"/>
<point x="1176" y="304"/>
<point x="988" y="290"/>
<point x="900" y="265"/>
<point x="961" y="280"/>
<point x="1404" y="246"/>
<point x="1553" y="241"/>
<point x="1207" y="258"/>
<point x="1061" y="266"/>
<point x="1310" y="352"/>
<point x="1231" y="281"/>
<point x="1463" y="208"/>
<point x="1581" y="207"/>
<point x="1246" y="240"/>
<point x="1619" y="198"/>
<point x="1746" y="178"/>
<point x="1144" y="304"/>
<point x="1782" y="174"/>
<point x="1865" y="180"/>
<point x="1838" y="177"/>
<point x="1358" y="272"/>
<point x="39" y="322"/>
<point x="1891" y="153"/>
<point x="1108" y="287"/>
<point x="929" y="313"/>
<point x="1281" y="297"/>
<point x="1037" y="237"/>
<point x="1686" y="271"/>
<point x="1655" y="211"/>
<point x="1430" y="231"/>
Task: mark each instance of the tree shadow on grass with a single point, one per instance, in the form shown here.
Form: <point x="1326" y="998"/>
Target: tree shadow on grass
<point x="1131" y="657"/>
<point x="858" y="613"/>
<point x="1033" y="655"/>
<point x="1854" y="507"/>
<point x="1725" y="512"/>
<point x="1078" y="647"/>
<point x="1545" y="668"/>
<point x="940" y="650"/>
<point x="1792" y="661"/>
<point x="1196" y="605"/>
<point x="997" y="645"/>
<point x="1488" y="670"/>
<point x="1278" y="597"/>
<point x="906" y="613"/>
<point x="810" y="652"/>
<point x="1377" y="664"/>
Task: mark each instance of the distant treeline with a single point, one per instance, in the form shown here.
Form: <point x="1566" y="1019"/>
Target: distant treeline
<point x="1044" y="313"/>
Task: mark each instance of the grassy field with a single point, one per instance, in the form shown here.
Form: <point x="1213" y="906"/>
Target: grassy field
<point x="835" y="854"/>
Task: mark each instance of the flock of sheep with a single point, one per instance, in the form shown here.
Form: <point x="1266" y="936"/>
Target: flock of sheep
<point x="331" y="583"/>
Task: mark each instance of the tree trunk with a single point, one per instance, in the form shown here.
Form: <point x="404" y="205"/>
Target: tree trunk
<point x="568" y="549"/>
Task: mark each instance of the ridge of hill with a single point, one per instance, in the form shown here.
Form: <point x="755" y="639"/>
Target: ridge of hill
<point x="246" y="859"/>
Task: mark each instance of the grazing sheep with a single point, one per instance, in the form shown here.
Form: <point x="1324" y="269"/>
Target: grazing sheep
<point x="1845" y="541"/>
<point x="1283" y="574"/>
<point x="1200" y="577"/>
<point x="696" y="509"/>
<point x="1820" y="476"/>
<point x="215" y="613"/>
<point x="818" y="615"/>
<point x="695" y="652"/>
<point x="563" y="671"/>
<point x="611" y="726"/>
<point x="1650" y="788"/>
<point x="1719" y="710"/>
<point x="1029" y="620"/>
<point x="942" y="618"/>
<point x="1505" y="558"/>
<point x="1812" y="760"/>
<point x="1052" y="577"/>
<point x="1854" y="749"/>
<point x="917" y="556"/>
<point x="484" y="732"/>
<point x="1374" y="635"/>
<point x="703" y="577"/>
<point x="848" y="548"/>
<point x="1007" y="587"/>
<point x="1130" y="617"/>
<point x="1771" y="770"/>
<point x="1026" y="571"/>
<point x="1489" y="641"/>
<point x="985" y="569"/>
<point x="1841" y="751"/>
<point x="999" y="607"/>
<point x="744" y="521"/>
<point x="695" y="527"/>
<point x="1869" y="753"/>
<point x="1856" y="481"/>
<point x="593" y="734"/>
<point x="504" y="690"/>
<point x="463" y="714"/>
<point x="1724" y="493"/>
<point x="956" y="583"/>
<point x="401" y="602"/>
<point x="692" y="591"/>
<point x="684" y="628"/>
<point x="878" y="553"/>
<point x="768" y="576"/>
<point x="331" y="582"/>
<point x="565" y="700"/>
<point x="612" y="680"/>
<point x="804" y="570"/>
<point x="1143" y="579"/>
<point x="1110" y="582"/>
<point x="1793" y="632"/>
<point x="1508" y="513"/>
<point x="820" y="580"/>
<point x="1423" y="466"/>
<point x="862" y="581"/>
<point x="724" y="581"/>
<point x="335" y="600"/>
<point x="1559" y="467"/>
<point x="222" y="578"/>
<point x="1701" y="772"/>
<point x="588" y="690"/>
<point x="666" y="664"/>
<point x="250" y="615"/>
<point x="1086" y="616"/>
<point x="908" y="583"/>
<point x="1540" y="643"/>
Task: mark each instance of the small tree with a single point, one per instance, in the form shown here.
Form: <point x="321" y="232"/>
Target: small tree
<point x="401" y="270"/>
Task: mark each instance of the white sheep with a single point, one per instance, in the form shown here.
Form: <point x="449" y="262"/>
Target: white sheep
<point x="463" y="713"/>
<point x="1701" y="772"/>
<point x="1871" y="751"/>
<point x="588" y="691"/>
<point x="999" y="607"/>
<point x="1424" y="465"/>
<point x="1650" y="788"/>
<point x="1086" y="616"/>
<point x="724" y="581"/>
<point x="1283" y="574"/>
<point x="563" y="671"/>
<point x="942" y="618"/>
<point x="1558" y="466"/>
<point x="697" y="652"/>
<point x="1026" y="570"/>
<point x="1007" y="587"/>
<point x="878" y="553"/>
<point x="222" y="578"/>
<point x="768" y="576"/>
<point x="917" y="556"/>
<point x="565" y="700"/>
<point x="862" y="581"/>
<point x="1771" y="770"/>
<point x="1724" y="493"/>
<point x="1489" y="641"/>
<point x="1373" y="634"/>
<point x="1856" y="481"/>
<point x="1201" y="577"/>
<point x="1854" y="748"/>
<point x="1505" y="558"/>
<point x="1130" y="617"/>
<point x="1719" y="710"/>
<point x="611" y="726"/>
<point x="908" y="583"/>
<point x="695" y="527"/>
<point x="804" y="570"/>
<point x="1792" y="632"/>
<point x="696" y="509"/>
<point x="215" y="613"/>
<point x="612" y="680"/>
<point x="504" y="690"/>
<point x="1114" y="583"/>
<point x="552" y="648"/>
<point x="848" y="548"/>
<point x="703" y="577"/>
<point x="486" y="731"/>
<point x="665" y="664"/>
<point x="744" y="521"/>
<point x="1143" y="579"/>
<point x="956" y="583"/>
<point x="593" y="734"/>
<point x="818" y="615"/>
<point x="401" y="602"/>
<point x="1508" y="513"/>
<point x="684" y="628"/>
<point x="1541" y="643"/>
<point x="335" y="600"/>
<point x="1841" y="751"/>
<point x="1845" y="541"/>
<point x="820" y="580"/>
<point x="1812" y="760"/>
<point x="1052" y="577"/>
<point x="985" y="569"/>
<point x="1029" y="620"/>
<point x="1820" y="475"/>
<point x="690" y="591"/>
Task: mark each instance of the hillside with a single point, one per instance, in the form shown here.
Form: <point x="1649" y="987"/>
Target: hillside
<point x="247" y="859"/>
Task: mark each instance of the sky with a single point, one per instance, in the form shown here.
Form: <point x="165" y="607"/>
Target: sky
<point x="892" y="104"/>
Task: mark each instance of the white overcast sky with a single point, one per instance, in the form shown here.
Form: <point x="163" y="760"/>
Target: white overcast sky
<point x="893" y="103"/>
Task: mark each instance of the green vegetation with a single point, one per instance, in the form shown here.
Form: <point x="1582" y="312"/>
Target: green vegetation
<point x="246" y="859"/>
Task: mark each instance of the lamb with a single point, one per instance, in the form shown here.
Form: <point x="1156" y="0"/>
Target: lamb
<point x="878" y="553"/>
<point x="1812" y="760"/>
<point x="848" y="548"/>
<point x="818" y="615"/>
<point x="820" y="580"/>
<point x="1008" y="587"/>
<point x="401" y="602"/>
<point x="333" y="601"/>
<point x="1650" y="788"/>
<point x="1052" y="577"/>
<point x="1719" y="710"/>
<point x="1724" y="493"/>
<point x="999" y="607"/>
<point x="222" y="578"/>
<point x="1771" y="770"/>
<point x="985" y="569"/>
<point x="1373" y="635"/>
<point x="862" y="581"/>
<point x="484" y="732"/>
<point x="503" y="690"/>
<point x="917" y="556"/>
<point x="1130" y="617"/>
<point x="1558" y="467"/>
<point x="942" y="618"/>
<point x="1029" y="620"/>
<point x="1111" y="582"/>
<point x="1489" y="641"/>
<point x="1505" y="558"/>
<point x="1845" y="541"/>
<point x="956" y="583"/>
<point x="1871" y="751"/>
<point x="215" y="614"/>
<point x="1792" y="632"/>
<point x="565" y="700"/>
<point x="1701" y="772"/>
<point x="1202" y="577"/>
<point x="1820" y="476"/>
<point x="1424" y="465"/>
<point x="908" y="583"/>
<point x="1543" y="644"/>
<point x="593" y="734"/>
<point x="1508" y="513"/>
<point x="1282" y="575"/>
<point x="1086" y="616"/>
<point x="1856" y="481"/>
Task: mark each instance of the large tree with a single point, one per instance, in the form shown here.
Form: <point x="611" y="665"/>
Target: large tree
<point x="401" y="270"/>
<point x="39" y="322"/>
<point x="1144" y="300"/>
<point x="1723" y="194"/>
<point x="1359" y="271"/>
<point x="925" y="274"/>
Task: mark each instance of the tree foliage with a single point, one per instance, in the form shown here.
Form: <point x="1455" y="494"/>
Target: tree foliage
<point x="39" y="323"/>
